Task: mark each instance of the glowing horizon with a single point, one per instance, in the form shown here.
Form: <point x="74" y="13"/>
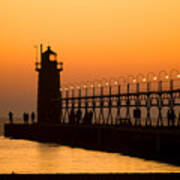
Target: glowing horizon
<point x="94" y="39"/>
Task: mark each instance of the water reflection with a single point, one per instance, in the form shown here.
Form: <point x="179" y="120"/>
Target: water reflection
<point x="22" y="156"/>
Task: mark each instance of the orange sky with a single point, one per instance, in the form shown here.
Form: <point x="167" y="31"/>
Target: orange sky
<point x="94" y="38"/>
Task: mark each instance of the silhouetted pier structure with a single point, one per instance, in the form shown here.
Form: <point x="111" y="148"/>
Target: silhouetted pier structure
<point x="137" y="115"/>
<point x="129" y="104"/>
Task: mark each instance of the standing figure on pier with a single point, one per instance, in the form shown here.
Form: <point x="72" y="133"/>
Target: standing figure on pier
<point x="11" y="117"/>
<point x="32" y="117"/>
<point x="85" y="118"/>
<point x="168" y="116"/>
<point x="171" y="117"/>
<point x="27" y="118"/>
<point x="78" y="116"/>
<point x="72" y="117"/>
<point x="178" y="123"/>
<point x="24" y="117"/>
<point x="90" y="117"/>
<point x="137" y="116"/>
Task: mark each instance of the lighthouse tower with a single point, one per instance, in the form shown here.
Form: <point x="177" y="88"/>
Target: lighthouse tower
<point x="49" y="104"/>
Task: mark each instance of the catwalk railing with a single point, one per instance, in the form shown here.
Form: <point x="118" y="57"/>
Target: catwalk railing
<point x="153" y="103"/>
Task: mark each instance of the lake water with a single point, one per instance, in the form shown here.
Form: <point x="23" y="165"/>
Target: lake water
<point x="23" y="156"/>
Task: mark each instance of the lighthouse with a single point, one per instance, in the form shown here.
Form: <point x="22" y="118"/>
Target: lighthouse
<point x="49" y="83"/>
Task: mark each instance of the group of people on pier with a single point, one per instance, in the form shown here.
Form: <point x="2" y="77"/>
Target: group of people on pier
<point x="25" y="117"/>
<point x="171" y="116"/>
<point x="77" y="118"/>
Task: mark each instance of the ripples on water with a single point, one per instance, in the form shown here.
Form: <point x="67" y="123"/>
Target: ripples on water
<point x="23" y="156"/>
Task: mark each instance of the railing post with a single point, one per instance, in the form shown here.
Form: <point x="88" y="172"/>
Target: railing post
<point x="72" y="101"/>
<point x="72" y="116"/>
<point x="66" y="107"/>
<point x="160" y="86"/>
<point x="137" y="88"/>
<point x="101" y="115"/>
<point x="94" y="106"/>
<point x="110" y="108"/>
<point x="171" y="104"/>
<point x="137" y="119"/>
<point x="79" y="104"/>
<point x="86" y="101"/>
<point x="86" y="91"/>
<point x="118" y="116"/>
<point x="148" y="86"/>
<point x="159" y="122"/>
<point x="171" y="85"/>
<point x="128" y="105"/>
<point x="148" y="104"/>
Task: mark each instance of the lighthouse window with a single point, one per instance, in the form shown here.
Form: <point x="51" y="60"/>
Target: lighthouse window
<point x="52" y="57"/>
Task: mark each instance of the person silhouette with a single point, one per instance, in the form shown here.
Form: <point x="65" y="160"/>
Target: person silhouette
<point x="72" y="117"/>
<point x="27" y="117"/>
<point x="173" y="117"/>
<point x="78" y="116"/>
<point x="85" y="118"/>
<point x="178" y="120"/>
<point x="168" y="117"/>
<point x="90" y="117"/>
<point x="11" y="117"/>
<point x="24" y="117"/>
<point x="32" y="117"/>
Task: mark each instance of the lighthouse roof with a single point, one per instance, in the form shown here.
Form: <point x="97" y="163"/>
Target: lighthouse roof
<point x="49" y="51"/>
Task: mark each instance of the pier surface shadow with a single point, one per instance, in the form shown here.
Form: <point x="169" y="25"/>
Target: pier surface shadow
<point x="161" y="144"/>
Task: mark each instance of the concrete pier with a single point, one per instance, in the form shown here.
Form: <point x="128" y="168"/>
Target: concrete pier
<point x="147" y="142"/>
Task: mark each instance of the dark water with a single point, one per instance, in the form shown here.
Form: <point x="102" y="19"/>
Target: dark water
<point x="23" y="156"/>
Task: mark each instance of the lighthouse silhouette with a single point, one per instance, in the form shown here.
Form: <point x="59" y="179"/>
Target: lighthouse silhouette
<point x="49" y="104"/>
